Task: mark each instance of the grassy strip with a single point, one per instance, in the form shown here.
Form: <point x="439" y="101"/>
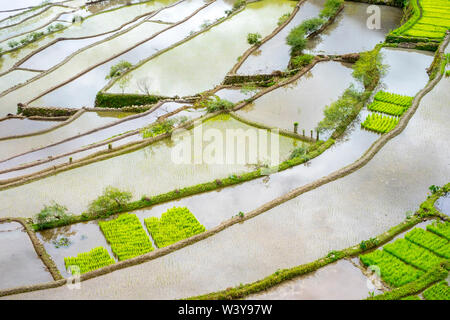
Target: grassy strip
<point x="440" y="291"/>
<point x="117" y="101"/>
<point x="287" y="274"/>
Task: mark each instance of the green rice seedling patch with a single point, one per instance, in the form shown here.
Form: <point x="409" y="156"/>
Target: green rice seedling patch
<point x="388" y="108"/>
<point x="392" y="270"/>
<point x="440" y="228"/>
<point x="88" y="261"/>
<point x="439" y="291"/>
<point x="175" y="224"/>
<point x="126" y="236"/>
<point x="430" y="241"/>
<point x="379" y="123"/>
<point x="393" y="98"/>
<point x="411" y="298"/>
<point x="413" y="254"/>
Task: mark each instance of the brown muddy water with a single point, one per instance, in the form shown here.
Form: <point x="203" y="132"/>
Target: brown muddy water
<point x="19" y="263"/>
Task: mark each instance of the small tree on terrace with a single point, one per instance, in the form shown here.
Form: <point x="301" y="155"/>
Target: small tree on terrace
<point x="111" y="199"/>
<point x="52" y="212"/>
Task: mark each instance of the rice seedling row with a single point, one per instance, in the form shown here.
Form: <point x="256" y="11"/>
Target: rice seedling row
<point x="392" y="270"/>
<point x="393" y="98"/>
<point x="413" y="254"/>
<point x="175" y="224"/>
<point x="88" y="261"/>
<point x="439" y="291"/>
<point x="430" y="241"/>
<point x="126" y="236"/>
<point x="379" y="123"/>
<point x="440" y="228"/>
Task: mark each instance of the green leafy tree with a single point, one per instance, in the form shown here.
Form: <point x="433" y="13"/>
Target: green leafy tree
<point x="111" y="199"/>
<point x="254" y="38"/>
<point x="369" y="67"/>
<point x="119" y="68"/>
<point x="296" y="39"/>
<point x="51" y="213"/>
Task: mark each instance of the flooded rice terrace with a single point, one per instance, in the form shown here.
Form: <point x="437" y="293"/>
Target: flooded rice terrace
<point x="287" y="129"/>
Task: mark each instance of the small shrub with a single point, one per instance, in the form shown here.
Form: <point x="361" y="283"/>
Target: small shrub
<point x="119" y="68"/>
<point x="111" y="199"/>
<point x="238" y="4"/>
<point x="296" y="39"/>
<point x="312" y="25"/>
<point x="330" y="8"/>
<point x="298" y="152"/>
<point x="158" y="128"/>
<point x="283" y="18"/>
<point x="254" y="38"/>
<point x="52" y="213"/>
<point x="216" y="104"/>
<point x="302" y="60"/>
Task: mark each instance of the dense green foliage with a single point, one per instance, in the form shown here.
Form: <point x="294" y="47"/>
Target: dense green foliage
<point x="431" y="23"/>
<point x="413" y="254"/>
<point x="88" y="261"/>
<point x="215" y="103"/>
<point x="339" y="111"/>
<point x="369" y="67"/>
<point x="174" y="225"/>
<point x="393" y="270"/>
<point x="283" y="18"/>
<point x="311" y="25"/>
<point x="393" y="98"/>
<point x="388" y="108"/>
<point x="111" y="199"/>
<point x="440" y="228"/>
<point x="158" y="128"/>
<point x="117" y="101"/>
<point x="439" y="291"/>
<point x="430" y="241"/>
<point x="301" y="60"/>
<point x="330" y="8"/>
<point x="379" y="123"/>
<point x="254" y="38"/>
<point x="126" y="236"/>
<point x="118" y="69"/>
<point x="50" y="214"/>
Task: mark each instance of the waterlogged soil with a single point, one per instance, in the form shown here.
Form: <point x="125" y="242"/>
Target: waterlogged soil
<point x="86" y="122"/>
<point x="302" y="101"/>
<point x="85" y="140"/>
<point x="275" y="53"/>
<point x="443" y="204"/>
<point x="93" y="81"/>
<point x="169" y="75"/>
<point x="82" y="238"/>
<point x="14" y="78"/>
<point x="93" y="25"/>
<point x="350" y="33"/>
<point x="136" y="171"/>
<point x="334" y="216"/>
<point x="33" y="23"/>
<point x="13" y="127"/>
<point x="19" y="263"/>
<point x="236" y="95"/>
<point x="338" y="281"/>
<point x="400" y="77"/>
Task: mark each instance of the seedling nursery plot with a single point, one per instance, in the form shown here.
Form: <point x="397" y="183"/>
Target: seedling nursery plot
<point x="145" y="143"/>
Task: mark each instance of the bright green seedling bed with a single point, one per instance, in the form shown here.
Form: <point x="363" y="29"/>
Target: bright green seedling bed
<point x="439" y="291"/>
<point x="126" y="236"/>
<point x="88" y="261"/>
<point x="174" y="225"/>
<point x="393" y="98"/>
<point x="388" y="108"/>
<point x="379" y="123"/>
<point x="413" y="254"/>
<point x="436" y="244"/>
<point x="440" y="228"/>
<point x="392" y="270"/>
<point x="411" y="298"/>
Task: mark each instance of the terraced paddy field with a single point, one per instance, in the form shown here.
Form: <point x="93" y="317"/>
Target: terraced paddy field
<point x="298" y="147"/>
